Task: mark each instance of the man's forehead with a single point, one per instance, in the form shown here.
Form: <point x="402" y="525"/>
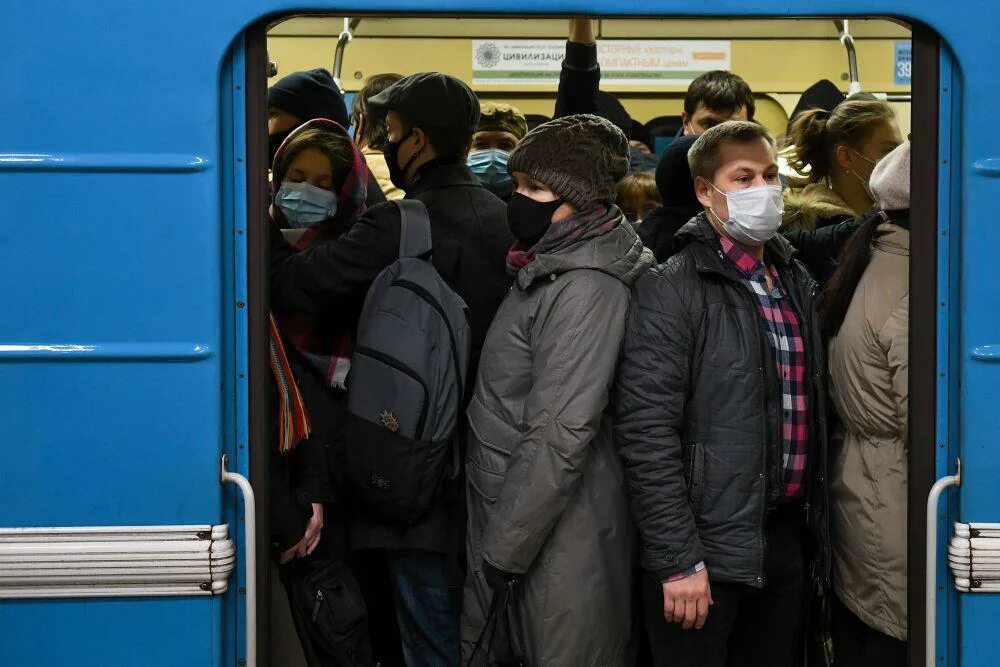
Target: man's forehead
<point x="759" y="155"/>
<point x="706" y="112"/>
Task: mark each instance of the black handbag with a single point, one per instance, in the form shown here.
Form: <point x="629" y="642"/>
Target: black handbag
<point x="495" y="646"/>
<point x="332" y="614"/>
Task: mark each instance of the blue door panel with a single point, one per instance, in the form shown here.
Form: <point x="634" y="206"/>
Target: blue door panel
<point x="111" y="633"/>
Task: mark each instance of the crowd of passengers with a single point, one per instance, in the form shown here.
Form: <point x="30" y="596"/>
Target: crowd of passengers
<point x="683" y="438"/>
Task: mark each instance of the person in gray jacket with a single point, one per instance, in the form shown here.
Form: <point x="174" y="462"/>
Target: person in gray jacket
<point x="548" y="509"/>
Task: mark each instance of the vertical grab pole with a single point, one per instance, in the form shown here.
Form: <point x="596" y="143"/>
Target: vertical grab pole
<point x="250" y="551"/>
<point x="930" y="603"/>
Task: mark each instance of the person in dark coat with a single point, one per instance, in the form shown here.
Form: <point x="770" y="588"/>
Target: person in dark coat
<point x="721" y="420"/>
<point x="579" y="90"/>
<point x="431" y="118"/>
<point x="673" y="180"/>
<point x="304" y="96"/>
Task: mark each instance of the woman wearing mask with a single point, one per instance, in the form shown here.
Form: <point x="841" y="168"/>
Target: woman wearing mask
<point x="836" y="153"/>
<point x="866" y="312"/>
<point x="548" y="509"/>
<point x="318" y="191"/>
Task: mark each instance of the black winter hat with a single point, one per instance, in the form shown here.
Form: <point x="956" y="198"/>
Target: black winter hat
<point x="309" y="95"/>
<point x="673" y="174"/>
<point x="581" y="158"/>
<point x="430" y="99"/>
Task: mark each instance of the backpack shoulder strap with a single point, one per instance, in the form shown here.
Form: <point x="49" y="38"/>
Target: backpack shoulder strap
<point x="414" y="228"/>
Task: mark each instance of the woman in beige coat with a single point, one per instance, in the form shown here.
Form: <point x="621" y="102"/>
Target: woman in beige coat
<point x="866" y="311"/>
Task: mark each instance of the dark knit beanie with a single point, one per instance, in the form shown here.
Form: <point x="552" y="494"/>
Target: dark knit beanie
<point x="673" y="174"/>
<point x="309" y="95"/>
<point x="580" y="158"/>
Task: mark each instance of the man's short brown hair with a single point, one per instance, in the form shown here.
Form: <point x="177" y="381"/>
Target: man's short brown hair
<point x="705" y="156"/>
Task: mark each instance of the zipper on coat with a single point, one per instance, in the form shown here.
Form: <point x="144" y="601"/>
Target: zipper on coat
<point x="318" y="604"/>
<point x="405" y="370"/>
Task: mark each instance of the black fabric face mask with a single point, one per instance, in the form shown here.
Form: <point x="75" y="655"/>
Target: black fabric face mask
<point x="274" y="142"/>
<point x="397" y="174"/>
<point x="530" y="219"/>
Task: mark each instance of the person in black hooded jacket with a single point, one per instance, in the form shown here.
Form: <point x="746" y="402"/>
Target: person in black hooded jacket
<point x="431" y="118"/>
<point x="676" y="187"/>
<point x="721" y="419"/>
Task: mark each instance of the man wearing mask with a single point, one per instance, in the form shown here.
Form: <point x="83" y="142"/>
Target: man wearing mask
<point x="720" y="418"/>
<point x="500" y="128"/>
<point x="301" y="97"/>
<point x="431" y="118"/>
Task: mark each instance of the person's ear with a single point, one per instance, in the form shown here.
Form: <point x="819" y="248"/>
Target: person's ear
<point x="703" y="191"/>
<point x="419" y="140"/>
<point x="844" y="157"/>
<point x="684" y="122"/>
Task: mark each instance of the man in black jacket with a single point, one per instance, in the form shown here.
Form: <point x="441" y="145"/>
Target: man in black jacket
<point x="721" y="421"/>
<point x="431" y="118"/>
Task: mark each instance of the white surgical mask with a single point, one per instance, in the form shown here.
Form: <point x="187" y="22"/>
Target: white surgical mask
<point x="754" y="213"/>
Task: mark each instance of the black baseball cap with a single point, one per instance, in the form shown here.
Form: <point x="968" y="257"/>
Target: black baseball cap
<point x="430" y="99"/>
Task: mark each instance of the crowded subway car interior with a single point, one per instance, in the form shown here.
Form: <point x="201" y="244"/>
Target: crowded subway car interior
<point x="626" y="299"/>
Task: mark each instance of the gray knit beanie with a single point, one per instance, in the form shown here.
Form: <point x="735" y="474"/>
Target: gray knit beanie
<point x="580" y="158"/>
<point x="890" y="181"/>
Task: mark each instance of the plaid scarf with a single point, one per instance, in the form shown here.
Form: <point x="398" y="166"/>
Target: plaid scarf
<point x="578" y="227"/>
<point x="329" y="356"/>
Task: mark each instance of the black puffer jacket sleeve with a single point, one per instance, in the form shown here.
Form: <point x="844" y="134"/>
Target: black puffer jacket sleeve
<point x="579" y="81"/>
<point x="819" y="248"/>
<point x="653" y="379"/>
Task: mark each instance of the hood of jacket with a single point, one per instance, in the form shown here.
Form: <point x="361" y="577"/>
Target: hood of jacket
<point x="806" y="207"/>
<point x="619" y="253"/>
<point x="351" y="197"/>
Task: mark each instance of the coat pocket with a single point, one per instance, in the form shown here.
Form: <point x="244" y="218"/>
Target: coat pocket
<point x="485" y="480"/>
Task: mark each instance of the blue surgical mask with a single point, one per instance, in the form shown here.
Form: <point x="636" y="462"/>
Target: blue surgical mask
<point x="304" y="205"/>
<point x="490" y="167"/>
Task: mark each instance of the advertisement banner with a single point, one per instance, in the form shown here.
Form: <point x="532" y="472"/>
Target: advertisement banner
<point x="623" y="62"/>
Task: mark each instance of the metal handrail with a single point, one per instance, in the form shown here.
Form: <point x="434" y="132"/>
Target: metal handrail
<point x="250" y="557"/>
<point x="346" y="35"/>
<point x="852" y="55"/>
<point x="930" y="601"/>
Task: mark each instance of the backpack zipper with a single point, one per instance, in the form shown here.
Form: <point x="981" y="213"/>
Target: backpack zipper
<point x="405" y="370"/>
<point x="426" y="296"/>
<point x="319" y="603"/>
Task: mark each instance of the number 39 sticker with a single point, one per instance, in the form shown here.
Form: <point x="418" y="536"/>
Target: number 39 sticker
<point x="903" y="63"/>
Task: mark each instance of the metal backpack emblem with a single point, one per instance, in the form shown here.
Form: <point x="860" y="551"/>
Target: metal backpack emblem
<point x="407" y="382"/>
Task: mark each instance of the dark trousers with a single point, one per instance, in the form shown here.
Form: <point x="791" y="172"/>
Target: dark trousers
<point x="857" y="644"/>
<point x="428" y="607"/>
<point x="746" y="626"/>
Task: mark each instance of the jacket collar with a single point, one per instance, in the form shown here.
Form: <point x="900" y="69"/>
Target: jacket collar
<point x="435" y="175"/>
<point x="707" y="249"/>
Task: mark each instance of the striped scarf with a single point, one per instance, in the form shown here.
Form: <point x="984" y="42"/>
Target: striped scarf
<point x="580" y="226"/>
<point x="293" y="419"/>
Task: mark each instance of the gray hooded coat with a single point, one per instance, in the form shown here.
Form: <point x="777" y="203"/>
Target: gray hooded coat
<point x="546" y="490"/>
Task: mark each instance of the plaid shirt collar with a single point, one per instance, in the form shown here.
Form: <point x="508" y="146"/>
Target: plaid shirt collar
<point x="745" y="263"/>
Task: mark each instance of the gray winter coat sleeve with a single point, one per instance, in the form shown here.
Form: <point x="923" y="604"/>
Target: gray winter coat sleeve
<point x="575" y="341"/>
<point x="653" y="382"/>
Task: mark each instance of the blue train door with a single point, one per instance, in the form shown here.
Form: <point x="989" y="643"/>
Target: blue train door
<point x="123" y="346"/>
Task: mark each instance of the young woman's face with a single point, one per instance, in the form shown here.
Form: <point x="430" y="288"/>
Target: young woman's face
<point x="535" y="189"/>
<point x="311" y="166"/>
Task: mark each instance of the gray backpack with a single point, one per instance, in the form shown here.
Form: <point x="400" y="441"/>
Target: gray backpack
<point x="407" y="383"/>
